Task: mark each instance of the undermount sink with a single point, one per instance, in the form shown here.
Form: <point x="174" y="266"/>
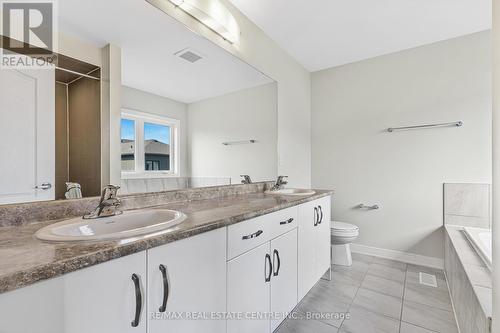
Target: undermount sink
<point x="129" y="224"/>
<point x="292" y="191"/>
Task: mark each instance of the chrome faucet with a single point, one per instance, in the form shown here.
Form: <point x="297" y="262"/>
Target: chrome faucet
<point x="280" y="183"/>
<point x="246" y="179"/>
<point x="108" y="204"/>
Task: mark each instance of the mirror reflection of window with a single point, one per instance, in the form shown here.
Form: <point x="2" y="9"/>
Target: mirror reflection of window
<point x="128" y="144"/>
<point x="156" y="147"/>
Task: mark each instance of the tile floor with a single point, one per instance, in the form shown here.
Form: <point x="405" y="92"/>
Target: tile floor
<point x="379" y="295"/>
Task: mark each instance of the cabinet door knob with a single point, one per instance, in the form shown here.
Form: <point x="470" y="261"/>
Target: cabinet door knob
<point x="166" y="288"/>
<point x="276" y="254"/>
<point x="268" y="266"/>
<point x="138" y="300"/>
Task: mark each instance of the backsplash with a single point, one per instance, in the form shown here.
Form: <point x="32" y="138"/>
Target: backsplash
<point x="142" y="185"/>
<point x="19" y="214"/>
<point x="467" y="205"/>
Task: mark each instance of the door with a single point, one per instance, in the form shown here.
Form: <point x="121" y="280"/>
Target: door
<point x="248" y="290"/>
<point x="42" y="302"/>
<point x="323" y="234"/>
<point x="188" y="278"/>
<point x="27" y="135"/>
<point x="107" y="298"/>
<point x="284" y="279"/>
<point x="307" y="274"/>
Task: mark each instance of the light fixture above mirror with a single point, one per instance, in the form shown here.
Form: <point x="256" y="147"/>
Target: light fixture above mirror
<point x="212" y="14"/>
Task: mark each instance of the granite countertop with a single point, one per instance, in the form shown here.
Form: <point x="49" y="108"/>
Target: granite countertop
<point x="25" y="260"/>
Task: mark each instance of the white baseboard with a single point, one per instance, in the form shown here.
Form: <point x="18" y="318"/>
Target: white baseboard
<point x="406" y="257"/>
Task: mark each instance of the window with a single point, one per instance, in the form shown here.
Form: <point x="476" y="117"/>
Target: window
<point x="149" y="145"/>
<point x="128" y="144"/>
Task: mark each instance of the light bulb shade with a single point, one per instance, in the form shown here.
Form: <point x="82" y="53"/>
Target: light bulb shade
<point x="214" y="15"/>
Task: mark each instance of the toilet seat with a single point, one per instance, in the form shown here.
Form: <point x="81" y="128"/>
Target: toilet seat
<point x="343" y="229"/>
<point x="342" y="235"/>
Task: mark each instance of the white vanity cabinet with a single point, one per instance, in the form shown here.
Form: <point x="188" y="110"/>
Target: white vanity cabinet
<point x="107" y="298"/>
<point x="253" y="268"/>
<point x="187" y="278"/>
<point x="313" y="243"/>
<point x="284" y="279"/>
<point x="248" y="290"/>
<point x="262" y="279"/>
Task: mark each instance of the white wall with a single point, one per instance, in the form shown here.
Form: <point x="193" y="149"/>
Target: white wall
<point x="403" y="172"/>
<point x="294" y="89"/>
<point x="243" y="115"/>
<point x="139" y="100"/>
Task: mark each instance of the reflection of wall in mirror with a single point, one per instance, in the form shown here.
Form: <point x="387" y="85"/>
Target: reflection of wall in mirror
<point x="243" y="115"/>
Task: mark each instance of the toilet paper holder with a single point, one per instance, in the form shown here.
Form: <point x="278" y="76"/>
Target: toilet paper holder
<point x="363" y="206"/>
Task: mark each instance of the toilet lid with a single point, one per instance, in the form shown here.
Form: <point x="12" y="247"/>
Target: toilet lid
<point x="342" y="226"/>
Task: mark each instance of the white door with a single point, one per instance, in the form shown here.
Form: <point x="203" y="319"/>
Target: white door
<point x="284" y="280"/>
<point x="248" y="290"/>
<point x="27" y="135"/>
<point x="307" y="271"/>
<point x="323" y="234"/>
<point x="188" y="278"/>
<point x="107" y="298"/>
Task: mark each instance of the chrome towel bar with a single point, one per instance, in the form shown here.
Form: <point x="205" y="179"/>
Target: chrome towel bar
<point x="242" y="142"/>
<point x="363" y="206"/>
<point x="455" y="124"/>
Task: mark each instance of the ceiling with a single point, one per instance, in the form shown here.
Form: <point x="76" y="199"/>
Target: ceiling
<point x="321" y="34"/>
<point x="148" y="39"/>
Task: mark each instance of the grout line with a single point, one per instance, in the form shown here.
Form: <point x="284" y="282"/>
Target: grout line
<point x="403" y="300"/>
<point x="425" y="328"/>
<point x="356" y="294"/>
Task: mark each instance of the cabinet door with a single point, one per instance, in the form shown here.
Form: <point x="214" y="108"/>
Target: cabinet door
<point x="194" y="270"/>
<point x="103" y="298"/>
<point x="323" y="234"/>
<point x="38" y="308"/>
<point x="248" y="290"/>
<point x="284" y="279"/>
<point x="307" y="271"/>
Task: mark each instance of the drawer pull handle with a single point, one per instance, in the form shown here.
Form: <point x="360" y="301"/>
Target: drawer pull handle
<point x="269" y="265"/>
<point x="166" y="288"/>
<point x="316" y="216"/>
<point x="254" y="235"/>
<point x="138" y="300"/>
<point x="276" y="254"/>
<point x="290" y="220"/>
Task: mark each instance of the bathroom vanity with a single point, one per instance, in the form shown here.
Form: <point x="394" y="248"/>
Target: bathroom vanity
<point x="232" y="259"/>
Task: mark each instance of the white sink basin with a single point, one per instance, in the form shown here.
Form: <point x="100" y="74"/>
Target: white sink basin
<point x="292" y="191"/>
<point x="126" y="225"/>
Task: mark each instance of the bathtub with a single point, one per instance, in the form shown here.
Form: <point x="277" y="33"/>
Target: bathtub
<point x="481" y="241"/>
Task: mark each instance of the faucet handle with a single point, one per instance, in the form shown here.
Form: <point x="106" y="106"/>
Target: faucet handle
<point x="283" y="179"/>
<point x="109" y="191"/>
<point x="246" y="179"/>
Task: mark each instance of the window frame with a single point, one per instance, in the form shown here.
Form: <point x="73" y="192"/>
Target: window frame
<point x="140" y="118"/>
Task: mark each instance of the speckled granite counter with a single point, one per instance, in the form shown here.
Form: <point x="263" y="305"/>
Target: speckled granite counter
<point x="25" y="260"/>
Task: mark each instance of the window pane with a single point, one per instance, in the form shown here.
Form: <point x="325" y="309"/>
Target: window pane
<point x="128" y="144"/>
<point x="157" y="147"/>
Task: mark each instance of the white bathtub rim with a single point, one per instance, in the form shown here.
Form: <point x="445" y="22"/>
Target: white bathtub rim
<point x="471" y="235"/>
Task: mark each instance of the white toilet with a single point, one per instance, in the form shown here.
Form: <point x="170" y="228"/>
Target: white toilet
<point x="343" y="234"/>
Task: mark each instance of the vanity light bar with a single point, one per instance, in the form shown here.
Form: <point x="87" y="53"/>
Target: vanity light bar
<point x="242" y="142"/>
<point x="200" y="11"/>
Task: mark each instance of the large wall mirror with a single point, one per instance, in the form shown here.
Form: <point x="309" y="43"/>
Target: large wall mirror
<point x="190" y="114"/>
